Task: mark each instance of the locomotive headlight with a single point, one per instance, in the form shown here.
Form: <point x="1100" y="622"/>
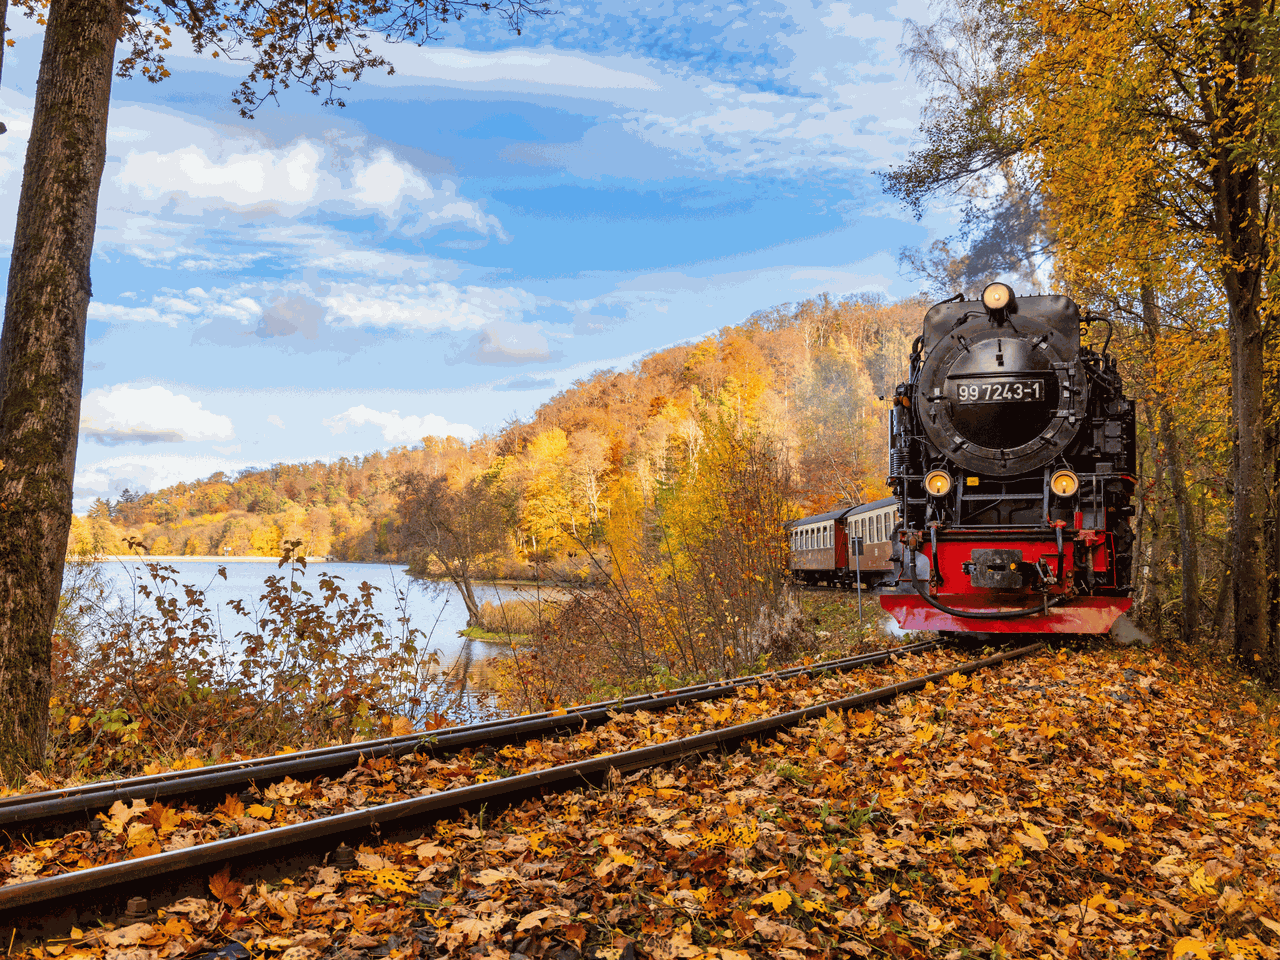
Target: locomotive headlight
<point x="937" y="483"/>
<point x="1064" y="483"/>
<point x="996" y="296"/>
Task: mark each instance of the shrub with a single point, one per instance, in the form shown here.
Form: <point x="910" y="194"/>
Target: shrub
<point x="152" y="680"/>
<point x="696" y="587"/>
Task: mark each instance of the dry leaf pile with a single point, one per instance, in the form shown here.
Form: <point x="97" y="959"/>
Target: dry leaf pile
<point x="1070" y="805"/>
<point x="142" y="829"/>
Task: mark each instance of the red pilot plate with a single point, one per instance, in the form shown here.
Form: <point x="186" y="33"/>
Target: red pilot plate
<point x="1079" y="615"/>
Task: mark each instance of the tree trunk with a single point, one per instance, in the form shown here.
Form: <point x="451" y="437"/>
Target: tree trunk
<point x="1154" y="582"/>
<point x="1242" y="229"/>
<point x="1244" y="250"/>
<point x="42" y="357"/>
<point x="463" y="582"/>
<point x="1250" y="553"/>
<point x="1188" y="552"/>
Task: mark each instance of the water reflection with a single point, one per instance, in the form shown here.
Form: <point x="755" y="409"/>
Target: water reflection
<point x="435" y="609"/>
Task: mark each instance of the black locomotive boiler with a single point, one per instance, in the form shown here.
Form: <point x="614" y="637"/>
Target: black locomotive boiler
<point x="1012" y="462"/>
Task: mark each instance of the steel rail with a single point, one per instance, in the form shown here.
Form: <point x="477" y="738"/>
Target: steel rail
<point x="40" y="815"/>
<point x="50" y="906"/>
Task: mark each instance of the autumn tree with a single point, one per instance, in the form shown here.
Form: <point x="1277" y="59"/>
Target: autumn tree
<point x="1150" y="130"/>
<point x="455" y="523"/>
<point x="320" y="46"/>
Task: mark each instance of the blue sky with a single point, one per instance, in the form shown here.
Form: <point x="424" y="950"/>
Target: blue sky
<point x="468" y="237"/>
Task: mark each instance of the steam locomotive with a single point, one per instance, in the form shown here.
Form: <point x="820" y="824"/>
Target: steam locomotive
<point x="1012" y="467"/>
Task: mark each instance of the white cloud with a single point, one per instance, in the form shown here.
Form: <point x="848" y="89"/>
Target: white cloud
<point x="342" y="176"/>
<point x="324" y="315"/>
<point x="522" y="70"/>
<point x="125" y="414"/>
<point x="275" y="421"/>
<point x="431" y="306"/>
<point x="398" y="429"/>
<point x="282" y="178"/>
<point x="501" y="341"/>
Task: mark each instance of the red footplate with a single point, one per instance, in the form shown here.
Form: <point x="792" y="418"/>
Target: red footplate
<point x="1079" y="615"/>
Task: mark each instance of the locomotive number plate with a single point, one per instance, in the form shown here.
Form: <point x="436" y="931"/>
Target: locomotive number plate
<point x="999" y="391"/>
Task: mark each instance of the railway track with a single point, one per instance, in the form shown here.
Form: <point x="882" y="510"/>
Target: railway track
<point x="57" y="811"/>
<point x="52" y="905"/>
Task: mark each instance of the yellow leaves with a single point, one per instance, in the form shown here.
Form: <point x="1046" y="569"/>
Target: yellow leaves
<point x="616" y="858"/>
<point x="1034" y="838"/>
<point x="719" y="714"/>
<point x="287" y="789"/>
<point x="1201" y="883"/>
<point x="925" y="732"/>
<point x="677" y="839"/>
<point x="471" y="930"/>
<point x="1189" y="948"/>
<point x="490" y="877"/>
<point x="26" y="865"/>
<point x="745" y="833"/>
<point x="540" y="848"/>
<point x="142" y="835"/>
<point x="388" y="878"/>
<point x="229" y="810"/>
<point x="779" y="900"/>
<point x="1114" y="844"/>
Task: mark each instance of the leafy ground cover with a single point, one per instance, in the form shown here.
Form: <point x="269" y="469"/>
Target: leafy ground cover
<point x="1076" y="804"/>
<point x="141" y="829"/>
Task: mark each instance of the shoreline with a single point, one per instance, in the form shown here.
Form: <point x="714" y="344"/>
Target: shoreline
<point x="204" y="558"/>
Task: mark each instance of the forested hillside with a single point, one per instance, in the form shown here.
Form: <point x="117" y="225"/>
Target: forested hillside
<point x="806" y="376"/>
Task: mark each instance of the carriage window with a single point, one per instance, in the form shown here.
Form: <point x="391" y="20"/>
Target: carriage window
<point x="879" y="527"/>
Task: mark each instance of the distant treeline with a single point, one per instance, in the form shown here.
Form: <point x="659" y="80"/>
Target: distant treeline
<point x="805" y="375"/>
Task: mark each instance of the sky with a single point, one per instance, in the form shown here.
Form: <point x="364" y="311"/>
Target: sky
<point x="465" y="239"/>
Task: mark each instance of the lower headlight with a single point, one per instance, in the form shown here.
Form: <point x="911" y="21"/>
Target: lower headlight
<point x="1064" y="483"/>
<point x="937" y="483"/>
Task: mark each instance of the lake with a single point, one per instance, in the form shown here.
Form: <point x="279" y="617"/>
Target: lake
<point x="434" y="608"/>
